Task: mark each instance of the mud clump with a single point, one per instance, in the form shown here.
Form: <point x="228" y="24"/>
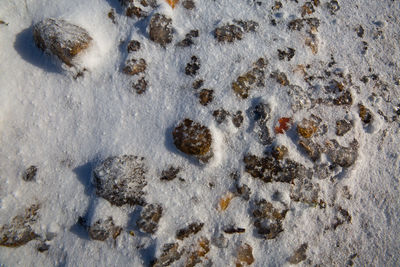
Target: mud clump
<point x="61" y="38"/>
<point x="134" y="66"/>
<point x="160" y="29"/>
<point x="104" y="229"/>
<point x="19" y="231"/>
<point x="29" y="174"/>
<point x="191" y="229"/>
<point x="149" y="218"/>
<point x="121" y="180"/>
<point x="193" y="139"/>
<point x="251" y="79"/>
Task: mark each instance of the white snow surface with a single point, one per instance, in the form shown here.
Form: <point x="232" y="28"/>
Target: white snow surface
<point x="67" y="126"/>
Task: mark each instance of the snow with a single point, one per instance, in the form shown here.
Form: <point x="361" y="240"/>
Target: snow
<point x="67" y="126"/>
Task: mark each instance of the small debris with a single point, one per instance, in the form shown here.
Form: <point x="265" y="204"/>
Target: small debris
<point x="333" y="7"/>
<point x="206" y="96"/>
<point x="307" y="9"/>
<point x="225" y="201"/>
<point x="237" y="119"/>
<point x="197" y="84"/>
<point x="234" y="230"/>
<point x="299" y="255"/>
<point x="253" y="78"/>
<point x="342" y="127"/>
<point x="280" y="152"/>
<point x="102" y="230"/>
<point x="43" y="247"/>
<point x="172" y="3"/>
<point x="305" y="191"/>
<point x="160" y="29"/>
<point x="280" y="78"/>
<point x="30" y="174"/>
<point x="261" y="115"/>
<point x="111" y="15"/>
<point x="133" y="46"/>
<point x="360" y="31"/>
<point x="149" y="218"/>
<point x="170" y="174"/>
<point x="194" y="139"/>
<point x="232" y="32"/>
<point x="193" y="66"/>
<point x="134" y="66"/>
<point x="188" y="41"/>
<point x="289" y="54"/>
<point x="345" y="99"/>
<point x="191" y="229"/>
<point x="365" y="114"/>
<point x="243" y="191"/>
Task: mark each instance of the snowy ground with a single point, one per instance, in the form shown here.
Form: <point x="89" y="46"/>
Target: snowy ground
<point x="66" y="126"/>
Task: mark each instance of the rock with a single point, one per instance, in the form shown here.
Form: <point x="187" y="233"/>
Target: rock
<point x="342" y="216"/>
<point x="197" y="84"/>
<point x="104" y="229"/>
<point x="140" y="86"/>
<point x="279" y="152"/>
<point x="237" y="119"/>
<point x="188" y="41"/>
<point x="160" y="29"/>
<point x="245" y="254"/>
<point x="333" y="7"/>
<point x="280" y="78"/>
<point x="191" y="229"/>
<point x="121" y="180"/>
<point x="149" y="218"/>
<point x="299" y="255"/>
<point x="134" y="66"/>
<point x="298" y="24"/>
<point x="198" y="252"/>
<point x="345" y="99"/>
<point x="193" y="66"/>
<point x="228" y="33"/>
<point x="30" y="174"/>
<point x="307" y="128"/>
<point x="251" y="79"/>
<point x="282" y="54"/>
<point x="170" y="174"/>
<point x="268" y="220"/>
<point x="194" y="139"/>
<point x="61" y="39"/>
<point x="169" y="255"/>
<point x="305" y="191"/>
<point x="19" y="231"/>
<point x="220" y="115"/>
<point x="188" y="4"/>
<point x="342" y="156"/>
<point x="234" y="230"/>
<point x="206" y="96"/>
<point x="365" y="114"/>
<point x="312" y="149"/>
<point x="261" y="115"/>
<point x="133" y="46"/>
<point x="342" y="127"/>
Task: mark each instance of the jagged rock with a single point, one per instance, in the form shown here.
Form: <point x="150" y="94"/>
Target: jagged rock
<point x="29" y="174"/>
<point x="103" y="229"/>
<point x="365" y="114"/>
<point x="149" y="218"/>
<point x="169" y="255"/>
<point x="61" y="38"/>
<point x="160" y="29"/>
<point x="191" y="229"/>
<point x="134" y="66"/>
<point x="19" y="231"/>
<point x="194" y="139"/>
<point x="121" y="180"/>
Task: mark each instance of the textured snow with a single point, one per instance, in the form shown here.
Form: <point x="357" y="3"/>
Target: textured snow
<point x="67" y="126"/>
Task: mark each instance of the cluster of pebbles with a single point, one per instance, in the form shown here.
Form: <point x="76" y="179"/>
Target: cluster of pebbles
<point x="121" y="180"/>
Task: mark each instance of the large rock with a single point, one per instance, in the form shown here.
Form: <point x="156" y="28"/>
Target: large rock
<point x="193" y="139"/>
<point x="61" y="38"/>
<point x="121" y="180"/>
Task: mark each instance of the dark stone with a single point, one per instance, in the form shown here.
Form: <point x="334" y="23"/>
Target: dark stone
<point x="206" y="96"/>
<point x="220" y="115"/>
<point x="237" y="119"/>
<point x="160" y="29"/>
<point x="191" y="229"/>
<point x="133" y="46"/>
<point x="193" y="66"/>
<point x="169" y="174"/>
<point x="140" y="86"/>
<point x="30" y="174"/>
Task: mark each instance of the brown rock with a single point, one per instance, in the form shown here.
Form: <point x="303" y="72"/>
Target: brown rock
<point x="206" y="96"/>
<point x="134" y="66"/>
<point x="160" y="29"/>
<point x="102" y="230"/>
<point x="61" y="38"/>
<point x="149" y="218"/>
<point x="191" y="229"/>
